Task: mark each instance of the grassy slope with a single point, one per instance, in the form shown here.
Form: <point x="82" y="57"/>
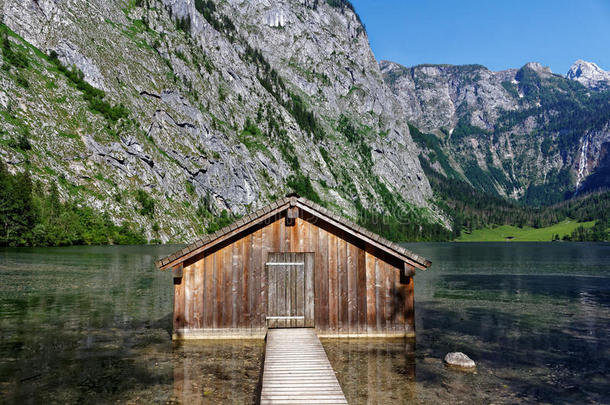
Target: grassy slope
<point x="525" y="234"/>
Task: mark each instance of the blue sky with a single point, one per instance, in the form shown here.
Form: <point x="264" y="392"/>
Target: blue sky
<point x="496" y="33"/>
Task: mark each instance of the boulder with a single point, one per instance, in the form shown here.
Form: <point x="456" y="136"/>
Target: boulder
<point x="459" y="359"/>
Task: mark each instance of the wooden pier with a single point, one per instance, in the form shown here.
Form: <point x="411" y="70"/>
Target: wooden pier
<point x="297" y="370"/>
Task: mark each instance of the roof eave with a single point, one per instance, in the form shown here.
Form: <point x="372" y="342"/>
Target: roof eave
<point x="278" y="206"/>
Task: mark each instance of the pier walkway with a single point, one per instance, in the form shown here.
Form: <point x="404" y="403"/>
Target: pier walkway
<point x="297" y="370"/>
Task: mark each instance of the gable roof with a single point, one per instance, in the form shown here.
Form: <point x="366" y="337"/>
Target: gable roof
<point x="276" y="207"/>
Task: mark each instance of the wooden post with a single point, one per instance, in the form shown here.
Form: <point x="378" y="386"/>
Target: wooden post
<point x="410" y="308"/>
<point x="409" y="271"/>
<point x="178" y="299"/>
<point x="292" y="214"/>
<point x="177" y="272"/>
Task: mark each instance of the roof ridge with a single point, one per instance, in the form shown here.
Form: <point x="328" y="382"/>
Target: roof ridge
<point x="253" y="217"/>
<point x="363" y="231"/>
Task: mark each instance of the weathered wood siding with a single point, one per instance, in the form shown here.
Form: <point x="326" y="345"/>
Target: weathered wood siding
<point x="358" y="290"/>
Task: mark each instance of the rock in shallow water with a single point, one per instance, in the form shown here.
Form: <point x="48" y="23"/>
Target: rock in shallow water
<point x="459" y="359"/>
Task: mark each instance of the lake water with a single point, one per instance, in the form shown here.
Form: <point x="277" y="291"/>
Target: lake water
<point x="92" y="325"/>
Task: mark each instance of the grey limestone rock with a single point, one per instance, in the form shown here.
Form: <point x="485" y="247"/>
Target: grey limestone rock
<point x="494" y="124"/>
<point x="460" y="360"/>
<point x="190" y="90"/>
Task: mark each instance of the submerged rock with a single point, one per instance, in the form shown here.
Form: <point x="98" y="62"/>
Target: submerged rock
<point x="459" y="359"/>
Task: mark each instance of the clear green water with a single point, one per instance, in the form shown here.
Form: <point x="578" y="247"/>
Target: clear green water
<point x="534" y="316"/>
<point x="92" y="325"/>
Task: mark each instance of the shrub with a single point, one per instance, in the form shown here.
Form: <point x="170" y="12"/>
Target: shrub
<point x="94" y="96"/>
<point x="301" y="185"/>
<point x="147" y="203"/>
<point x="30" y="216"/>
<point x="13" y="57"/>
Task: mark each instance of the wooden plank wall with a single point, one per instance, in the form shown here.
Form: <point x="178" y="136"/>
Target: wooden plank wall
<point x="358" y="290"/>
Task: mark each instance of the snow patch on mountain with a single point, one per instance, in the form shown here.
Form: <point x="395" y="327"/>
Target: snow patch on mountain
<point x="589" y="75"/>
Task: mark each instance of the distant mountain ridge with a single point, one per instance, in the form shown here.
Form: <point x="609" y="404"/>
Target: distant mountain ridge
<point x="589" y="75"/>
<point x="181" y="115"/>
<point x="525" y="133"/>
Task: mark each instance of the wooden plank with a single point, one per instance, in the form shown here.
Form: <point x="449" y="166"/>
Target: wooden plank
<point x="288" y="234"/>
<point x="197" y="295"/>
<point x="246" y="293"/>
<point x="410" y="306"/>
<point x="371" y="320"/>
<point x="218" y="270"/>
<point x="394" y="280"/>
<point x="388" y="270"/>
<point x="218" y="289"/>
<point x="315" y="242"/>
<point x="187" y="281"/>
<point x="308" y="230"/>
<point x="309" y="290"/>
<point x="236" y="288"/>
<point x="275" y="245"/>
<point x="288" y="270"/>
<point x="258" y="288"/>
<point x="333" y="291"/>
<point x="276" y="236"/>
<point x="209" y="291"/>
<point x="302" y="235"/>
<point x="300" y="291"/>
<point x="291" y="290"/>
<point x="283" y="296"/>
<point x="362" y="295"/>
<point x="265" y="249"/>
<point x="271" y="300"/>
<point x="282" y="232"/>
<point x="400" y="302"/>
<point x="296" y="370"/>
<point x="322" y="277"/>
<point x="280" y="280"/>
<point x="342" y="282"/>
<point x="284" y="277"/>
<point x="352" y="288"/>
<point x="379" y="295"/>
<point x="294" y="289"/>
<point x="227" y="278"/>
<point x="178" y="303"/>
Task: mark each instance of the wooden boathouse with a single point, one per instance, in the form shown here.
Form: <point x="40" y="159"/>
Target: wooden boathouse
<point x="293" y="264"/>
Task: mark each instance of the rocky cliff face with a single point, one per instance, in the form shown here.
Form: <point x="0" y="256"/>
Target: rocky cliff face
<point x="524" y="133"/>
<point x="227" y="105"/>
<point x="589" y="75"/>
<point x="437" y="96"/>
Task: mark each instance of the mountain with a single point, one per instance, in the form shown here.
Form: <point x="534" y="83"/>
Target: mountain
<point x="126" y="121"/>
<point x="589" y="75"/>
<point x="526" y="133"/>
<point x="178" y="115"/>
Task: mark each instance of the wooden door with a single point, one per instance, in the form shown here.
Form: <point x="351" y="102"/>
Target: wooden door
<point x="290" y="290"/>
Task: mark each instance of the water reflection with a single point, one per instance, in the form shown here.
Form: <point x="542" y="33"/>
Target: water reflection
<point x="93" y="324"/>
<point x="534" y="316"/>
<point x="83" y="324"/>
<point x="374" y="371"/>
<point x="217" y="372"/>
